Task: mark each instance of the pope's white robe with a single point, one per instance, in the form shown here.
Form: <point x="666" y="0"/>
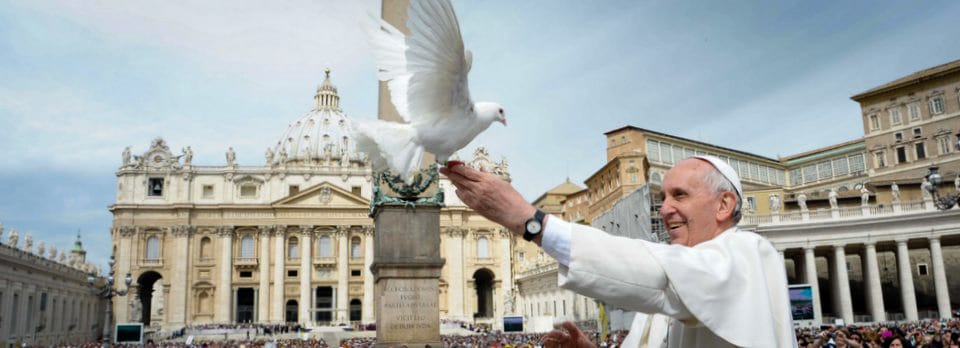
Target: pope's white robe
<point x="728" y="291"/>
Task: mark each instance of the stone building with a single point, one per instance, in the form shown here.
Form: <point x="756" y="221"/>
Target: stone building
<point x="289" y="240"/>
<point x="44" y="294"/>
<point x="851" y="219"/>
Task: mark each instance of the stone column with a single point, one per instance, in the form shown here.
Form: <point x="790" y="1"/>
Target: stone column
<point x="6" y="307"/>
<point x="306" y="270"/>
<point x="177" y="308"/>
<point x="342" y="304"/>
<point x="940" y="278"/>
<point x="263" y="267"/>
<point x="455" y="282"/>
<point x="225" y="281"/>
<point x="506" y="274"/>
<point x="368" y="316"/>
<point x="843" y="283"/>
<point x="279" y="259"/>
<point x="810" y="276"/>
<point x="121" y="308"/>
<point x="907" y="292"/>
<point x="874" y="288"/>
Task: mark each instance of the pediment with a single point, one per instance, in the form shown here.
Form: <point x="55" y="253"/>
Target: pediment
<point x="321" y="195"/>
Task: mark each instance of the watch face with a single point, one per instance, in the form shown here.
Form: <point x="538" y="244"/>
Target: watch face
<point x="533" y="227"/>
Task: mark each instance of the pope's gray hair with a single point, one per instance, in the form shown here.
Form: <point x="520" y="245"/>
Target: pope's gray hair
<point x="719" y="183"/>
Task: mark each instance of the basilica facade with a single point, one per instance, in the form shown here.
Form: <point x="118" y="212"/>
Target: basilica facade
<point x="286" y="241"/>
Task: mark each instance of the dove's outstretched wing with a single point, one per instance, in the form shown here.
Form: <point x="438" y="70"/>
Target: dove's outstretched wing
<point x="427" y="71"/>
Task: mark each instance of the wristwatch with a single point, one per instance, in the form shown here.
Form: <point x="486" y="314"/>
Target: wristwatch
<point x="533" y="226"/>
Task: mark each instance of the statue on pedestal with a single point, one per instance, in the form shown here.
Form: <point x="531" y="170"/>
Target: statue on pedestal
<point x="832" y="197"/>
<point x="895" y="192"/>
<point x="41" y="249"/>
<point x="864" y="196"/>
<point x="925" y="189"/>
<point x="283" y="156"/>
<point x="802" y="201"/>
<point x="269" y="156"/>
<point x="231" y="157"/>
<point x="28" y="243"/>
<point x="187" y="156"/>
<point x="125" y="157"/>
<point x="13" y="239"/>
<point x="775" y="203"/>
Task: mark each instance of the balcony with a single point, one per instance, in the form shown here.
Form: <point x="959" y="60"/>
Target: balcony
<point x="839" y="214"/>
<point x="245" y="262"/>
<point x="151" y="262"/>
<point x="329" y="261"/>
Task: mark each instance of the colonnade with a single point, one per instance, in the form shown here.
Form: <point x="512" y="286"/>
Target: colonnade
<point x="840" y="281"/>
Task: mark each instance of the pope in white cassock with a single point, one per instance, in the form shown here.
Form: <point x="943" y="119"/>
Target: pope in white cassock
<point x="714" y="286"/>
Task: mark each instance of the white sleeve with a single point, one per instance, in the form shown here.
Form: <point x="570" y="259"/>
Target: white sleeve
<point x="556" y="240"/>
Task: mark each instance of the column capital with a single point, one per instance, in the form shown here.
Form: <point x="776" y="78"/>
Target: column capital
<point x="454" y="231"/>
<point x="368" y="230"/>
<point x="809" y="248"/>
<point x="264" y="230"/>
<point x="934" y="239"/>
<point x="182" y="231"/>
<point x="342" y="230"/>
<point x="504" y="233"/>
<point x="127" y="231"/>
<point x="225" y="231"/>
<point x="840" y="246"/>
<point x="306" y="230"/>
<point x="279" y="230"/>
<point x="870" y="243"/>
<point x="900" y="241"/>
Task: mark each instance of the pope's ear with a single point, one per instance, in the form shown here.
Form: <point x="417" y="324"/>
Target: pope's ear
<point x="728" y="203"/>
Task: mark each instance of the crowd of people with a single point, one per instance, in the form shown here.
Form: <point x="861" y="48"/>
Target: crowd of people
<point x="264" y="329"/>
<point x="922" y="334"/>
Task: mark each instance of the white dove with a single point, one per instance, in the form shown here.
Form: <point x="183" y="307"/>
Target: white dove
<point x="427" y="77"/>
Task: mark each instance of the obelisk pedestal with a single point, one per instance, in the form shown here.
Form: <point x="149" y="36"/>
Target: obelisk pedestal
<point x="406" y="269"/>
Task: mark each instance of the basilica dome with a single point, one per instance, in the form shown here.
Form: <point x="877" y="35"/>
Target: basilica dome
<point x="321" y="136"/>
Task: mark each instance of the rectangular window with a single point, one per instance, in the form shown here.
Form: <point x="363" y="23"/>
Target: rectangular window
<point x="354" y="272"/>
<point x="921" y="150"/>
<point x="894" y="116"/>
<point x="356" y="190"/>
<point x="825" y="170"/>
<point x="754" y="171"/>
<point x="763" y="174"/>
<point x="207" y="191"/>
<point x="874" y="122"/>
<point x="878" y="160"/>
<point x="840" y="167"/>
<point x="246" y="274"/>
<point x="901" y="154"/>
<point x="943" y="143"/>
<point x="155" y="187"/>
<point x="666" y="153"/>
<point x="688" y="152"/>
<point x="898" y="137"/>
<point x="677" y="153"/>
<point x="248" y="191"/>
<point x="936" y="105"/>
<point x="914" y="110"/>
<point x="653" y="151"/>
<point x="810" y="173"/>
<point x="922" y="269"/>
<point x="795" y="178"/>
<point x="292" y="273"/>
<point x="293" y="190"/>
<point x="917" y="132"/>
<point x="857" y="163"/>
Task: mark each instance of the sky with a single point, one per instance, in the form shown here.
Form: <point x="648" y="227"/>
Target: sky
<point x="81" y="80"/>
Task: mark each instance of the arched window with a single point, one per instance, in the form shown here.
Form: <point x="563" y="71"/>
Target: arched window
<point x="293" y="250"/>
<point x="355" y="248"/>
<point x="246" y="246"/>
<point x="483" y="248"/>
<point x="153" y="248"/>
<point x="205" y="248"/>
<point x="326" y="246"/>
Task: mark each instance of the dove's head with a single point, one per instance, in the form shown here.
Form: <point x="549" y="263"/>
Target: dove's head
<point x="491" y="112"/>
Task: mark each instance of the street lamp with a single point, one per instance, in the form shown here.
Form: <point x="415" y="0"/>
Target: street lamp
<point x="946" y="201"/>
<point x="107" y="292"/>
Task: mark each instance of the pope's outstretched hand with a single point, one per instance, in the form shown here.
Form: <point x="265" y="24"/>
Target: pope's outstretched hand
<point x="490" y="196"/>
<point x="572" y="338"/>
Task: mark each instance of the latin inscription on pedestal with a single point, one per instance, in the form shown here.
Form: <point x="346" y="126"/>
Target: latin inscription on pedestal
<point x="408" y="311"/>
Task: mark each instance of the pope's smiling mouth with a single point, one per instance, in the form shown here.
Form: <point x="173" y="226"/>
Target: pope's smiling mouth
<point x="675" y="225"/>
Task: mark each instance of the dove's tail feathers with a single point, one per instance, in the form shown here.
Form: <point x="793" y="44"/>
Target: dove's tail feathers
<point x="389" y="47"/>
<point x="389" y="145"/>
